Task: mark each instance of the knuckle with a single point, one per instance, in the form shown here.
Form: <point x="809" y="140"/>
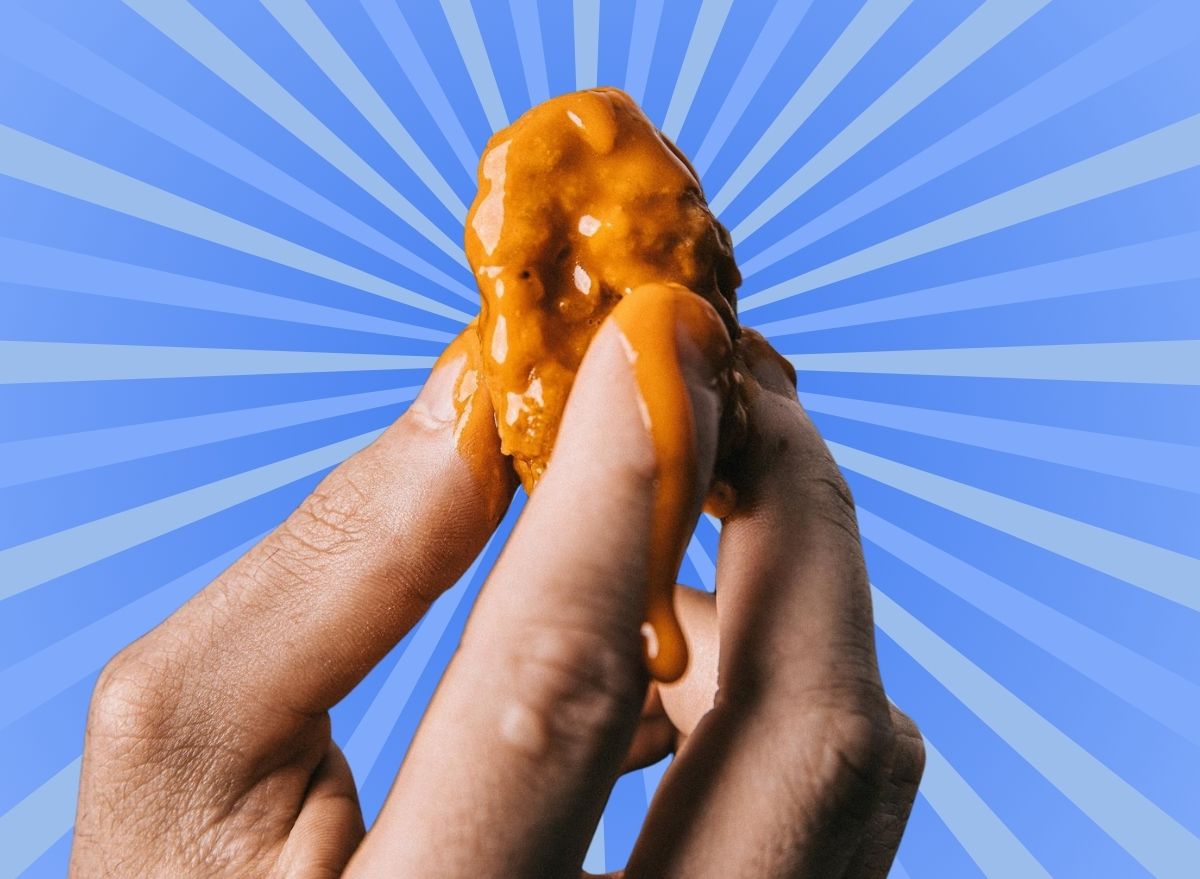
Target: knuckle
<point x="855" y="751"/>
<point x="908" y="761"/>
<point x="135" y="697"/>
<point x="842" y="752"/>
<point x="583" y="684"/>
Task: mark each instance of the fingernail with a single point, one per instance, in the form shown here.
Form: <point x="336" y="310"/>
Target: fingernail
<point x="436" y="400"/>
<point x="446" y="396"/>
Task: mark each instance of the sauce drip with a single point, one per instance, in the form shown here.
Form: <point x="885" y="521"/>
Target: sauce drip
<point x="583" y="202"/>
<point x="648" y="327"/>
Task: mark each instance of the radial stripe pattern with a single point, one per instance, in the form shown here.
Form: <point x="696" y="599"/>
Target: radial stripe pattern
<point x="230" y="251"/>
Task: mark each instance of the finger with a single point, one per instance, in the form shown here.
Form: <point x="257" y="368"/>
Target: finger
<point x="654" y="738"/>
<point x="510" y="769"/>
<point x="671" y="711"/>
<point x="329" y="826"/>
<point x="780" y="777"/>
<point x="794" y="599"/>
<point x="885" y="826"/>
<point x="687" y="700"/>
<point x="659" y="733"/>
<point x="296" y="622"/>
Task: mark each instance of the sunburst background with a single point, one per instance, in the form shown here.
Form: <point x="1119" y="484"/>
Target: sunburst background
<point x="230" y="248"/>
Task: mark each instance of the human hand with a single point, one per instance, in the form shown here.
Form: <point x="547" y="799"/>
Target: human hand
<point x="208" y="749"/>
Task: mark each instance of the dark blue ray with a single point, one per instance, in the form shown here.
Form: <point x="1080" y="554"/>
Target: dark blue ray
<point x="126" y="40"/>
<point x="811" y="100"/>
<point x="1083" y="710"/>
<point x="1144" y="40"/>
<point x="45" y="314"/>
<point x="51" y="268"/>
<point x="1158" y="261"/>
<point x="53" y="863"/>
<point x="395" y="32"/>
<point x="373" y="788"/>
<point x="623" y="819"/>
<point x="38" y="617"/>
<point x="1061" y="837"/>
<point x="1170" y="465"/>
<point x="42" y="508"/>
<point x="1144" y="623"/>
<point x="1054" y="144"/>
<point x="26" y="461"/>
<point x="48" y="739"/>
<point x="61" y="665"/>
<point x="61" y="59"/>
<point x="1108" y="221"/>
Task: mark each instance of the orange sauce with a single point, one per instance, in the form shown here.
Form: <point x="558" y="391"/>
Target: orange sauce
<point x="648" y="330"/>
<point x="583" y="202"/>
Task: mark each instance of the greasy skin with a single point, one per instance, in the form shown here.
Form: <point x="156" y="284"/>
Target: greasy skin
<point x="582" y="202"/>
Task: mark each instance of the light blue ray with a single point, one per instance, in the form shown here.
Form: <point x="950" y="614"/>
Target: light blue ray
<point x="782" y="23"/>
<point x="38" y="821"/>
<point x="647" y="15"/>
<point x="33" y="362"/>
<point x="1147" y="686"/>
<point x="1167" y="363"/>
<point x="871" y="22"/>
<point x="200" y="38"/>
<point x="23" y="461"/>
<point x="982" y="29"/>
<point x="60" y="59"/>
<point x="652" y="776"/>
<point x="367" y="740"/>
<point x="1159" y="571"/>
<point x="1171" y="465"/>
<point x="700" y="561"/>
<point x="1158" y="154"/>
<point x="587" y="42"/>
<point x="1149" y="37"/>
<point x="36" y="561"/>
<point x="37" y="265"/>
<point x="465" y="28"/>
<point x="988" y="841"/>
<point x="1154" y="262"/>
<point x="37" y="679"/>
<point x="528" y="27"/>
<point x="593" y="861"/>
<point x="709" y="22"/>
<point x="898" y="871"/>
<point x="51" y="167"/>
<point x="392" y="26"/>
<point x="310" y="33"/>
<point x="1150" y="835"/>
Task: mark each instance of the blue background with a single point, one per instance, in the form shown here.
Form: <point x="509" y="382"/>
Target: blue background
<point x="230" y="247"/>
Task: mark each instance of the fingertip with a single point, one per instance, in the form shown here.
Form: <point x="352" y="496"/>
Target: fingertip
<point x="454" y="408"/>
<point x="770" y="369"/>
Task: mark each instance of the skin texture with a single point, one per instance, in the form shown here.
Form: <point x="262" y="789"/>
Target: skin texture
<point x="208" y="750"/>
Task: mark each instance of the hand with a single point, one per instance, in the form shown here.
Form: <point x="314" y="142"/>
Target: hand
<point x="208" y="749"/>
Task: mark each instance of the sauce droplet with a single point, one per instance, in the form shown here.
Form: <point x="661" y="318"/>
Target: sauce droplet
<point x="648" y="322"/>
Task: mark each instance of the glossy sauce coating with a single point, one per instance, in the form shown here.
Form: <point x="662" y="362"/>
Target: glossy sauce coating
<point x="583" y="202"/>
<point x="648" y="328"/>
